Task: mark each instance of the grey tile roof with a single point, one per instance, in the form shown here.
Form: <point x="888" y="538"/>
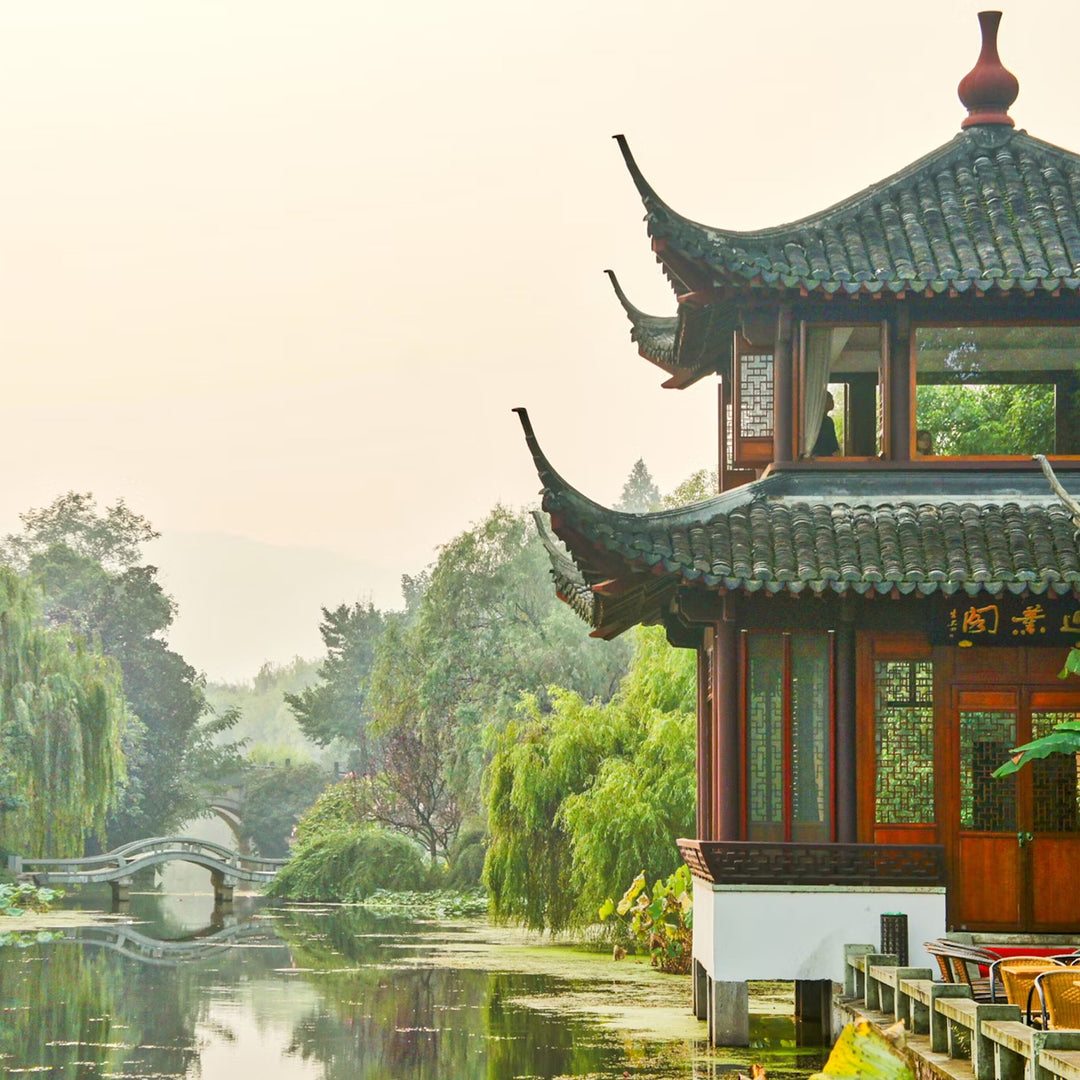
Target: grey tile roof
<point x="993" y="209"/>
<point x="654" y="334"/>
<point x="880" y="532"/>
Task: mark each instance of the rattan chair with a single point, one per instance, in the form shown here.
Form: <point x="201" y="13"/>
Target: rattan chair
<point x="1059" y="996"/>
<point x="1017" y="975"/>
<point x="961" y="963"/>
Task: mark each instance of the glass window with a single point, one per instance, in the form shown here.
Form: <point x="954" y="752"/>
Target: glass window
<point x="789" y="738"/>
<point x="997" y="390"/>
<point x="841" y="374"/>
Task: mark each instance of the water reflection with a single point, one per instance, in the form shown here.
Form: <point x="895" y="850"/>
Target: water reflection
<point x="331" y="993"/>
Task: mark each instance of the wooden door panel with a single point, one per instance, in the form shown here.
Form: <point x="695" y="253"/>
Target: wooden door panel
<point x="988" y="883"/>
<point x="1055" y="901"/>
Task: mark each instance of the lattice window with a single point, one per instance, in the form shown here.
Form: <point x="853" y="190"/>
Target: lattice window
<point x="810" y="728"/>
<point x="1055" y="780"/>
<point x="904" y="741"/>
<point x="765" y="738"/>
<point x="986" y="804"/>
<point x="752" y="413"/>
<point x="756" y="395"/>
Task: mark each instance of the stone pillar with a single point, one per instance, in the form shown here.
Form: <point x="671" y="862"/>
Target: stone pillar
<point x="813" y="1011"/>
<point x="701" y="991"/>
<point x="121" y="893"/>
<point x="729" y="1013"/>
<point x="223" y="887"/>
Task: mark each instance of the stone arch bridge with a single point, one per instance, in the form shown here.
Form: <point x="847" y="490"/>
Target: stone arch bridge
<point x="227" y="867"/>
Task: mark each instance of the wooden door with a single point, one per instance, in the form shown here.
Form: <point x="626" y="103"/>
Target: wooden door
<point x="1017" y="851"/>
<point x="987" y="891"/>
<point x="1052" y="829"/>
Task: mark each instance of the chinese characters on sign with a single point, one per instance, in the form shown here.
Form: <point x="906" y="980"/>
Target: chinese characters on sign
<point x="1013" y="620"/>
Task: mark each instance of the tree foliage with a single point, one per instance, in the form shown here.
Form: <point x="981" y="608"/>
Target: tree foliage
<point x="580" y="798"/>
<point x="84" y="562"/>
<point x="275" y="798"/>
<point x="335" y="707"/>
<point x="640" y="493"/>
<point x="62" y="717"/>
<point x="993" y="419"/>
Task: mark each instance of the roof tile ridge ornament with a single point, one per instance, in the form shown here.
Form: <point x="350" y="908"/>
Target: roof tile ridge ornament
<point x="988" y="89"/>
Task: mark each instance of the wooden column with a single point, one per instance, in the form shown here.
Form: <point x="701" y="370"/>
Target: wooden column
<point x="783" y="389"/>
<point x="845" y="756"/>
<point x="727" y="797"/>
<point x="900" y="403"/>
<point x="705" y="740"/>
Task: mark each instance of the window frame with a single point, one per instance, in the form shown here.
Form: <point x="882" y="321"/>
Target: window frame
<point x="913" y="385"/>
<point x="787" y="728"/>
<point x="884" y="373"/>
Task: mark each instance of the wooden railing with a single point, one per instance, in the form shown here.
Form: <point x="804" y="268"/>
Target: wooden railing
<point x="750" y="862"/>
<point x="943" y="1018"/>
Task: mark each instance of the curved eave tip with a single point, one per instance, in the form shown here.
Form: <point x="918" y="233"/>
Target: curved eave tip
<point x="645" y="189"/>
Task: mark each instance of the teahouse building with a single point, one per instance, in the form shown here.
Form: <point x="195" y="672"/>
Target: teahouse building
<point x="878" y="625"/>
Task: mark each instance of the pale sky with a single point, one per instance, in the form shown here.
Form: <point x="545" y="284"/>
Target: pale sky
<point x="281" y="270"/>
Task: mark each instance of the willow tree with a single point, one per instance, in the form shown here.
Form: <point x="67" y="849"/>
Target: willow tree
<point x="62" y="714"/>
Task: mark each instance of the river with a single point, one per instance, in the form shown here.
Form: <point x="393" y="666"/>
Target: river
<point x="274" y="991"/>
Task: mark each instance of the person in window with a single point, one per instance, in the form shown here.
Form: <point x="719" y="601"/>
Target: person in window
<point x="924" y="442"/>
<point x="827" y="444"/>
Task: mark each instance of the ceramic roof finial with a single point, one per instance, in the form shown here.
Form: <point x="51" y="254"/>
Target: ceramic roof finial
<point x="988" y="89"/>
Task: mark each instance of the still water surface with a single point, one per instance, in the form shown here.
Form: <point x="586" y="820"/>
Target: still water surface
<point x="272" y="992"/>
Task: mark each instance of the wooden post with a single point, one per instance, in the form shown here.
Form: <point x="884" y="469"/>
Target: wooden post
<point x="847" y="831"/>
<point x="900" y="404"/>
<point x="783" y="388"/>
<point x="705" y="739"/>
<point x="727" y="798"/>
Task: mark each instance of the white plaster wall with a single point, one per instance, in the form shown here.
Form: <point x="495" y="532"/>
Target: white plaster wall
<point x="778" y="932"/>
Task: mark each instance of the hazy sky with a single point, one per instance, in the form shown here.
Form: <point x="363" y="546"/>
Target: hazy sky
<point x="281" y="270"/>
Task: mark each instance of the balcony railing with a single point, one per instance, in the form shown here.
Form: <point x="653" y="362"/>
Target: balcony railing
<point x="749" y="862"/>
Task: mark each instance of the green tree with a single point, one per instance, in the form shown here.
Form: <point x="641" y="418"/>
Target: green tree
<point x="336" y="706"/>
<point x="62" y="717"/>
<point x="640" y="493"/>
<point x="84" y="563"/>
<point x="580" y="798"/>
<point x="275" y="798"/>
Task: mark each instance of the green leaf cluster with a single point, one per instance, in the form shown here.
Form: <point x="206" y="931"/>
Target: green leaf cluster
<point x="83" y="561"/>
<point x="662" y="921"/>
<point x="16" y="898"/>
<point x="62" y="721"/>
<point x="581" y="796"/>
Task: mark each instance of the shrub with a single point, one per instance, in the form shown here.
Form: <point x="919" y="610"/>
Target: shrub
<point x="349" y="864"/>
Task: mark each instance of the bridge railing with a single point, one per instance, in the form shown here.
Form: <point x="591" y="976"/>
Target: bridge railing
<point x="152" y="848"/>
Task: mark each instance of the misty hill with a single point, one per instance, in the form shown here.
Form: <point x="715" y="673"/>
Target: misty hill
<point x="243" y="603"/>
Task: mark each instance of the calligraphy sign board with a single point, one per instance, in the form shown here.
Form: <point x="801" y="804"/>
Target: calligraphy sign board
<point x="1016" y="621"/>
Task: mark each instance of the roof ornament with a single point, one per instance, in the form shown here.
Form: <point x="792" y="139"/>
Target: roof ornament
<point x="988" y="89"/>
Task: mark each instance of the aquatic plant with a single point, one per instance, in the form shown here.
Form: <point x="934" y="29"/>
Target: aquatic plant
<point x="16" y="898"/>
<point x="663" y="922"/>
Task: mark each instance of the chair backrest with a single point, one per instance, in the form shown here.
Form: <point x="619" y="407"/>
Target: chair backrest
<point x="1017" y="975"/>
<point x="959" y="962"/>
<point x="1059" y="992"/>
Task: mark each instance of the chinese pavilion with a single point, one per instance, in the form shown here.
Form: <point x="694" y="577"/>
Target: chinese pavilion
<point x="883" y="592"/>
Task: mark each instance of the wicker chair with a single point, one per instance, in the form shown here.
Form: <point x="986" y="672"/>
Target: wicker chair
<point x="1017" y="974"/>
<point x="1059" y="996"/>
<point x="960" y="963"/>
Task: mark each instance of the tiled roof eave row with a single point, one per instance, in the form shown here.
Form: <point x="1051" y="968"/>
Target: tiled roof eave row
<point x="755" y="278"/>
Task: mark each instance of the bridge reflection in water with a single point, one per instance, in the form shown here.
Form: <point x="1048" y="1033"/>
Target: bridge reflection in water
<point x="227" y="867"/>
<point x="126" y="939"/>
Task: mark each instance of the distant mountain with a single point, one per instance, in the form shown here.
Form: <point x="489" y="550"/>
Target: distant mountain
<point x="242" y="602"/>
